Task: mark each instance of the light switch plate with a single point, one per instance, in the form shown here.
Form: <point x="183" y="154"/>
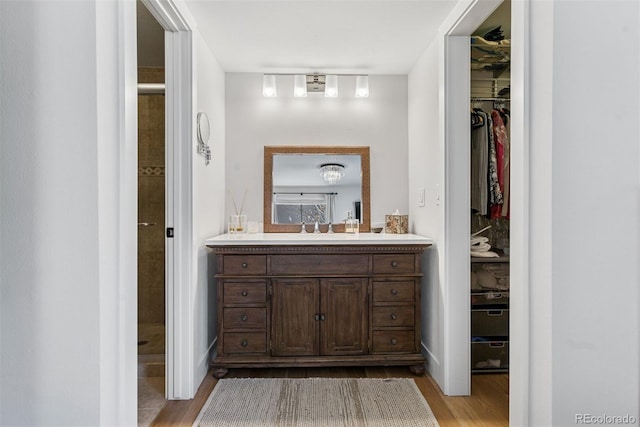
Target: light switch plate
<point x="421" y="197"/>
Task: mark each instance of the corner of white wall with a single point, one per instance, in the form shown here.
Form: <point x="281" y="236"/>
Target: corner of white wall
<point x="208" y="199"/>
<point x="426" y="161"/>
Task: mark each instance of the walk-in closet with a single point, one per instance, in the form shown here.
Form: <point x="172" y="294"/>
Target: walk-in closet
<point x="490" y="49"/>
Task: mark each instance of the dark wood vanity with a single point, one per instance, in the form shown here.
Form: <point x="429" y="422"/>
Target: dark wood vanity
<point x="332" y="300"/>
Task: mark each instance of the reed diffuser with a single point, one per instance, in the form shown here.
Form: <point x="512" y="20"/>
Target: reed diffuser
<point x="238" y="222"/>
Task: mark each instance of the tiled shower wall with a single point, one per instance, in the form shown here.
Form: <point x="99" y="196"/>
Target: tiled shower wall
<point x="151" y="201"/>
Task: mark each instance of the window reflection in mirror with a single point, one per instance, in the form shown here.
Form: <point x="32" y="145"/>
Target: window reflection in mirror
<point x="301" y="192"/>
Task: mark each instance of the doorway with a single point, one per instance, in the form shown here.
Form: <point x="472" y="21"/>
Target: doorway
<point x="178" y="220"/>
<point x="456" y="82"/>
<point x="490" y="86"/>
<point x="151" y="216"/>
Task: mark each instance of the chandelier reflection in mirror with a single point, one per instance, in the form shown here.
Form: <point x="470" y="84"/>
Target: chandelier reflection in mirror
<point x="332" y="172"/>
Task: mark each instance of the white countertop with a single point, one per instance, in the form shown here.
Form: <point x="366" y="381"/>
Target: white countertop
<point x="317" y="239"/>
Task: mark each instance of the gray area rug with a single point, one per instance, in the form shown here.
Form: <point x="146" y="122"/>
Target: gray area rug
<point x="326" y="402"/>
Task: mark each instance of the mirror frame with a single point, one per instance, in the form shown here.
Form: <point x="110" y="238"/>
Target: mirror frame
<point x="270" y="151"/>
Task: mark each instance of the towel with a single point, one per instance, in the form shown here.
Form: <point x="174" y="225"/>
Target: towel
<point x="480" y="247"/>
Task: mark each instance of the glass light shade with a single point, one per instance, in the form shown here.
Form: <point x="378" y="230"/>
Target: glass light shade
<point x="332" y="172"/>
<point x="331" y="86"/>
<point x="362" y="86"/>
<point x="269" y="86"/>
<point x="300" y="86"/>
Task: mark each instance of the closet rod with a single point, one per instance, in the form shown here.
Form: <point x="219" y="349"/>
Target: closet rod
<point x="490" y="79"/>
<point x="491" y="99"/>
<point x="303" y="193"/>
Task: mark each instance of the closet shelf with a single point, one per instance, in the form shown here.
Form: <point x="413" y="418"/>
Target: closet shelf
<point x="490" y="56"/>
<point x="501" y="258"/>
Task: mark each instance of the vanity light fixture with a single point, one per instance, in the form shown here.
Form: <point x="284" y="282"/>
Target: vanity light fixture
<point x="305" y="83"/>
<point x="332" y="172"/>
<point x="269" y="86"/>
<point x="362" y="86"/>
<point x="300" y="86"/>
<point x="331" y="86"/>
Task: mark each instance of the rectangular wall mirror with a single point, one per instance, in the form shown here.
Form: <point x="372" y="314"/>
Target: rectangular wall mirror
<point x="309" y="184"/>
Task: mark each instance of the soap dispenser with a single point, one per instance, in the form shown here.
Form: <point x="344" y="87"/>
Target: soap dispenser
<point x="351" y="224"/>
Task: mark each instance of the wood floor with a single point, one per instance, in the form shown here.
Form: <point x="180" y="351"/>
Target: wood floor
<point x="487" y="406"/>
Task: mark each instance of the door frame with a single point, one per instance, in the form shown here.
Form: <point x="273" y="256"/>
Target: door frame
<point x="179" y="100"/>
<point x="454" y="63"/>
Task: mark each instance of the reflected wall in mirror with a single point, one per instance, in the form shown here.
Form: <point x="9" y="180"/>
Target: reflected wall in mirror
<point x="309" y="184"/>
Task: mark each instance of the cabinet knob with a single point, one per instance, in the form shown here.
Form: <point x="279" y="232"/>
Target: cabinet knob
<point x="394" y="263"/>
<point x="244" y="317"/>
<point x="394" y="316"/>
<point x="394" y="292"/>
<point x="244" y="293"/>
<point x="245" y="265"/>
<point x="244" y="343"/>
<point x="394" y="341"/>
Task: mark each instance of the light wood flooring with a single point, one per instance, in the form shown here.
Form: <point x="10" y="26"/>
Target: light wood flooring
<point x="487" y="406"/>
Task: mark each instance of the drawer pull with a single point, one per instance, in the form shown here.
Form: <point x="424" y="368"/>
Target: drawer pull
<point x="244" y="293"/>
<point x="394" y="263"/>
<point x="495" y="313"/>
<point x="394" y="316"/>
<point x="245" y="265"/>
<point x="244" y="343"/>
<point x="394" y="292"/>
<point x="244" y="317"/>
<point x="394" y="341"/>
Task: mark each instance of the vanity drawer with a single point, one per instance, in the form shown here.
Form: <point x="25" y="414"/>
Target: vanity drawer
<point x="397" y="291"/>
<point x="245" y="318"/>
<point x="393" y="341"/>
<point x="245" y="342"/>
<point x="245" y="265"/>
<point x="244" y="292"/>
<point x="393" y="264"/>
<point x="319" y="264"/>
<point x="399" y="315"/>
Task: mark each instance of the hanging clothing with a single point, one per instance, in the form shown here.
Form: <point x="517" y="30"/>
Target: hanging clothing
<point x="500" y="140"/>
<point x="495" y="193"/>
<point x="507" y="164"/>
<point x="490" y="168"/>
<point x="479" y="162"/>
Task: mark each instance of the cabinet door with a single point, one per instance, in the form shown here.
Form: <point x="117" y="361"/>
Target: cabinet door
<point x="294" y="309"/>
<point x="345" y="314"/>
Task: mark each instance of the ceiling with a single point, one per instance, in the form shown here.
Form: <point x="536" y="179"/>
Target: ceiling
<point x="352" y="36"/>
<point x="303" y="36"/>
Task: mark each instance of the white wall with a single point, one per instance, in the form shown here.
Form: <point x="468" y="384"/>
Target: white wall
<point x="426" y="161"/>
<point x="208" y="201"/>
<point x="583" y="179"/>
<point x="66" y="290"/>
<point x="379" y="122"/>
<point x="594" y="203"/>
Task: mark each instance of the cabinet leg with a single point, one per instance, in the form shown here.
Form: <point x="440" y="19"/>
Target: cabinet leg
<point x="220" y="372"/>
<point x="417" y="370"/>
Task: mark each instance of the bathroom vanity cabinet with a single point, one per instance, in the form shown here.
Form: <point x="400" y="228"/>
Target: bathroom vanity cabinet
<point x="321" y="301"/>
